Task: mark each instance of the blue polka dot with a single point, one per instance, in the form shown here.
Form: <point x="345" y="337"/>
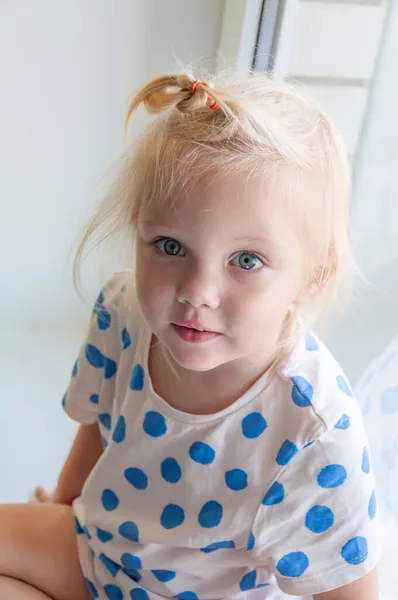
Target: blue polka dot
<point x="202" y="453"/>
<point x="104" y="536"/>
<point x="308" y="444"/>
<point x="87" y="532"/>
<point x="365" y="461"/>
<point x="91" y="588"/>
<point x="98" y="360"/>
<point x="105" y="419"/>
<point x="94" y="356"/>
<point x="210" y="514"/>
<point x="286" y="452"/>
<point x="129" y="531"/>
<point x="302" y="392"/>
<point x="170" y="470"/>
<point x="104" y="318"/>
<point x="311" y="343"/>
<point x="104" y="442"/>
<point x="343" y="385"/>
<point x="236" y="479"/>
<point x="137" y="478"/>
<point x="75" y="369"/>
<point x="294" y="564"/>
<point x="355" y="551"/>
<point x="218" y="546"/>
<point x="78" y="528"/>
<point x="164" y="575"/>
<point x="332" y="476"/>
<point x="129" y="561"/>
<point x="112" y="567"/>
<point x="249" y="582"/>
<point x="119" y="433"/>
<point x="126" y="340"/>
<point x="154" y="424"/>
<point x="109" y="500"/>
<point x="110" y="367"/>
<point x="344" y="422"/>
<point x="319" y="519"/>
<point x="253" y="425"/>
<point x="186" y="596"/>
<point x="275" y="494"/>
<point x="139" y="594"/>
<point x="123" y="289"/>
<point x="389" y="400"/>
<point x="172" y="516"/>
<point x="94" y="398"/>
<point x="137" y="378"/>
<point x="113" y="592"/>
<point x="99" y="302"/>
<point x="134" y="574"/>
<point x="64" y="401"/>
<point x="372" y="507"/>
<point x="252" y="542"/>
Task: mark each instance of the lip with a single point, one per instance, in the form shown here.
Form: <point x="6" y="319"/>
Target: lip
<point x="194" y="325"/>
<point x="191" y="334"/>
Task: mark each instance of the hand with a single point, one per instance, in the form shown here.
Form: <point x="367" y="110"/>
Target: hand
<point x="41" y="496"/>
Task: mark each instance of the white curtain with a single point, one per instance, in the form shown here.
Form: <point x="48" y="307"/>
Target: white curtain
<point x="375" y="219"/>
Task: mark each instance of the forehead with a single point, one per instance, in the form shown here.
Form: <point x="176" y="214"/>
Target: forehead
<point x="235" y="205"/>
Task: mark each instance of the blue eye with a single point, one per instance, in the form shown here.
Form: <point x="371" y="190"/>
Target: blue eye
<point x="170" y="247"/>
<point x="247" y="261"/>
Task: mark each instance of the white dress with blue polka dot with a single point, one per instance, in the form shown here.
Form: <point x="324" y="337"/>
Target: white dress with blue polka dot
<point x="273" y="495"/>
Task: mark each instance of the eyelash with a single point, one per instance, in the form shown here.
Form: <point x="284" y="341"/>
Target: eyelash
<point x="242" y="252"/>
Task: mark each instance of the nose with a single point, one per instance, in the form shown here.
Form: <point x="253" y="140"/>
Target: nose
<point x="199" y="288"/>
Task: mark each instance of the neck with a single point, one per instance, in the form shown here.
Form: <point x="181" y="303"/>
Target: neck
<point x="205" y="392"/>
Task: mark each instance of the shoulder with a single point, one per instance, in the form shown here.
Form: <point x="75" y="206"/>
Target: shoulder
<point x="111" y="344"/>
<point x="116" y="292"/>
<point x="116" y="322"/>
<point x="317" y="389"/>
<point x="117" y="300"/>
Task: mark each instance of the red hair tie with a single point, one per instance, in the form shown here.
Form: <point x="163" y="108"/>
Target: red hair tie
<point x="211" y="103"/>
<point x="194" y="86"/>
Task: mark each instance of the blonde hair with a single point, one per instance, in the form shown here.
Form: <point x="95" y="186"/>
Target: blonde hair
<point x="259" y="126"/>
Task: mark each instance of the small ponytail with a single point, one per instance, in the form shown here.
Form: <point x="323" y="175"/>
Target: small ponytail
<point x="188" y="95"/>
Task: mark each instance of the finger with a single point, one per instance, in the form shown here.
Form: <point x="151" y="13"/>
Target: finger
<point x="41" y="495"/>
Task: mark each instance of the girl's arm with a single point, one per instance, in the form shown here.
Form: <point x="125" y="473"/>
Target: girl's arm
<point x="84" y="454"/>
<point x="365" y="588"/>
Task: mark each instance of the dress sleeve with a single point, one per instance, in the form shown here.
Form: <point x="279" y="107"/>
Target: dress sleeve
<point x="317" y="526"/>
<point x="91" y="388"/>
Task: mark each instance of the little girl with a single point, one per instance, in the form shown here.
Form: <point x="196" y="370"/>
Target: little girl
<point x="220" y="454"/>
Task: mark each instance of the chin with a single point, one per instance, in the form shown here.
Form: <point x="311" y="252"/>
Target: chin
<point x="193" y="361"/>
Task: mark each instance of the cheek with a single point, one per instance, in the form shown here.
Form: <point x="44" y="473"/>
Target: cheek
<point x="154" y="291"/>
<point x="256" y="313"/>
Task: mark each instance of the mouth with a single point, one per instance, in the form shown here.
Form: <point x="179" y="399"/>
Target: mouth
<point x="194" y="334"/>
<point x="193" y="325"/>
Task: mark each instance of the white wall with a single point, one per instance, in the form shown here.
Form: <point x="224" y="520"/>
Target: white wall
<point x="68" y="69"/>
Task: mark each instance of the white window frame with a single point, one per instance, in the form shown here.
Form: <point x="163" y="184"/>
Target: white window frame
<point x="257" y="34"/>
